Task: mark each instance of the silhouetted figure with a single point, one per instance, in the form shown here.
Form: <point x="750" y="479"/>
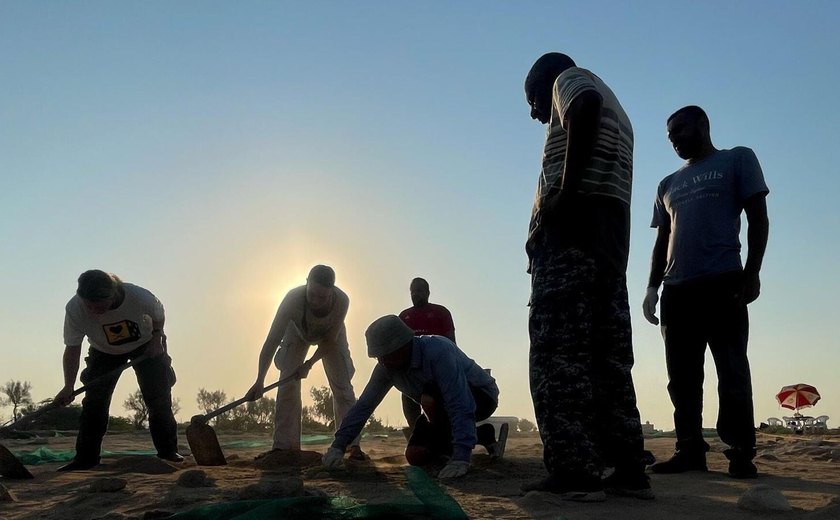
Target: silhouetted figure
<point x="424" y="318"/>
<point x="122" y="321"/>
<point x="453" y="390"/>
<point x="697" y="214"/>
<point x="581" y="349"/>
<point x="312" y="314"/>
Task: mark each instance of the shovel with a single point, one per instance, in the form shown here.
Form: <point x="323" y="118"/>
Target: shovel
<point x="202" y="438"/>
<point x="10" y="467"/>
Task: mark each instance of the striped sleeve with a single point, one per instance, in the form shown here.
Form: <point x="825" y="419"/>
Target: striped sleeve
<point x="569" y="86"/>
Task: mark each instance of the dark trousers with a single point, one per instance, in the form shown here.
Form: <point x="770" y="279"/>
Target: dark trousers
<point x="411" y="411"/>
<point x="435" y="431"/>
<point x="580" y="365"/>
<point x="710" y="313"/>
<point x="155" y="378"/>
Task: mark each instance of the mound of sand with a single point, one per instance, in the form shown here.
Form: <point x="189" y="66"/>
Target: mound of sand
<point x="276" y="459"/>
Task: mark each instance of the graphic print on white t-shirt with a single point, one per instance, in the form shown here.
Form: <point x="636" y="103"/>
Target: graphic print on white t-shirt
<point x="121" y="332"/>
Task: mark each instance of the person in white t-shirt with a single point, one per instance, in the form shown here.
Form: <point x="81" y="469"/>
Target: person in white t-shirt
<point x="122" y="321"/>
<point x="312" y="314"/>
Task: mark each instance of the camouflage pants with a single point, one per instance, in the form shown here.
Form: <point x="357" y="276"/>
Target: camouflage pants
<point x="580" y="362"/>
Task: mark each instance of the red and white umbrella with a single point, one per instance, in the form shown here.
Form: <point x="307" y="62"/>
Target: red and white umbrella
<point x="798" y="396"/>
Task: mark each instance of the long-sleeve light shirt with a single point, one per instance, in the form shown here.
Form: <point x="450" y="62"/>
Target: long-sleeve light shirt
<point x="434" y="360"/>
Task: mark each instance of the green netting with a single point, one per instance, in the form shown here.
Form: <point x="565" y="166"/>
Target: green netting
<point x="434" y="503"/>
<point x="44" y="455"/>
<point x="304" y="440"/>
<point x="306" y="507"/>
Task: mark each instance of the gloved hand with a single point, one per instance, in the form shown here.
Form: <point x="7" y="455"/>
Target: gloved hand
<point x="454" y="469"/>
<point x="649" y="305"/>
<point x="333" y="457"/>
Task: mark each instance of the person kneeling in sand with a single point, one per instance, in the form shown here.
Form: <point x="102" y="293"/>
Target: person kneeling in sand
<point x="453" y="391"/>
<point x="122" y="322"/>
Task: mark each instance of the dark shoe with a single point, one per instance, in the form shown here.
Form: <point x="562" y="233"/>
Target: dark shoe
<point x="742" y="469"/>
<point x="497" y="449"/>
<point x="629" y="484"/>
<point x="79" y="465"/>
<point x="588" y="489"/>
<point x="740" y="463"/>
<point x="356" y="453"/>
<point x="171" y="457"/>
<point x="681" y="462"/>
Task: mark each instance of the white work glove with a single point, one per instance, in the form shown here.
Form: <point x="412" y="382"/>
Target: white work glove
<point x="333" y="458"/>
<point x="454" y="469"/>
<point x="649" y="305"/>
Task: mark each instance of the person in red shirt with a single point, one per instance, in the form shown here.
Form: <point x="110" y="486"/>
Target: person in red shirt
<point x="425" y="319"/>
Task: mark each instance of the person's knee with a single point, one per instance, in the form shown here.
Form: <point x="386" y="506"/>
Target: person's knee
<point x="289" y="392"/>
<point x="343" y="393"/>
<point x="159" y="405"/>
<point x="418" y="455"/>
<point x="429" y="405"/>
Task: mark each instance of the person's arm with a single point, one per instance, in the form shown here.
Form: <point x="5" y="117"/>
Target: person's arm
<point x="70" y="366"/>
<point x="658" y="261"/>
<point x="451" y="333"/>
<point x="155" y="310"/>
<point x="269" y="348"/>
<point x="758" y="231"/>
<point x="375" y="391"/>
<point x="458" y="403"/>
<point x="357" y="416"/>
<point x="157" y="346"/>
<point x="582" y="121"/>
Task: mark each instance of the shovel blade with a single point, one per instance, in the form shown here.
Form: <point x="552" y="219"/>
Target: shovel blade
<point x="10" y="467"/>
<point x="205" y="445"/>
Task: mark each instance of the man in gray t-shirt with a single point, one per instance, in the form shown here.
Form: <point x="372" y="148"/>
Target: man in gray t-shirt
<point x="697" y="256"/>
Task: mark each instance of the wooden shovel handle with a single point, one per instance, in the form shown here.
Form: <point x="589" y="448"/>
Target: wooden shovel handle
<point x="234" y="404"/>
<point x="106" y="375"/>
<point x="53" y="405"/>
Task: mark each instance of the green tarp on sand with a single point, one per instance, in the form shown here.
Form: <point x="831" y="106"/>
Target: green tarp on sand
<point x="45" y="455"/>
<point x="433" y="503"/>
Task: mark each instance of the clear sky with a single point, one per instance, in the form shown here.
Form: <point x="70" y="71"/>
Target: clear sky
<point x="213" y="152"/>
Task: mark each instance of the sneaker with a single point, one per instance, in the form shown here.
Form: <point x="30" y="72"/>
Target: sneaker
<point x="79" y="465"/>
<point x="497" y="449"/>
<point x="681" y="462"/>
<point x="171" y="457"/>
<point x="629" y="484"/>
<point x="587" y="489"/>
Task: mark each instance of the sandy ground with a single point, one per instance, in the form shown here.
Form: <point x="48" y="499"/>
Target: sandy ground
<point x="806" y="469"/>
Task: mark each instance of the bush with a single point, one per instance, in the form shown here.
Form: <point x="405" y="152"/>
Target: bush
<point x="65" y="418"/>
<point x="120" y="424"/>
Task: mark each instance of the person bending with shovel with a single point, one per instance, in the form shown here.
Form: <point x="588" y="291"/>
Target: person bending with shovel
<point x="312" y="314"/>
<point x="453" y="391"/>
<point x="122" y="322"/>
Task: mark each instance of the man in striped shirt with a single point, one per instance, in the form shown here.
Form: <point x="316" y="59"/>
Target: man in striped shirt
<point x="581" y="350"/>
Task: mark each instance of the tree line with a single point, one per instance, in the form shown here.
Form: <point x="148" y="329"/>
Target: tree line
<point x="256" y="416"/>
